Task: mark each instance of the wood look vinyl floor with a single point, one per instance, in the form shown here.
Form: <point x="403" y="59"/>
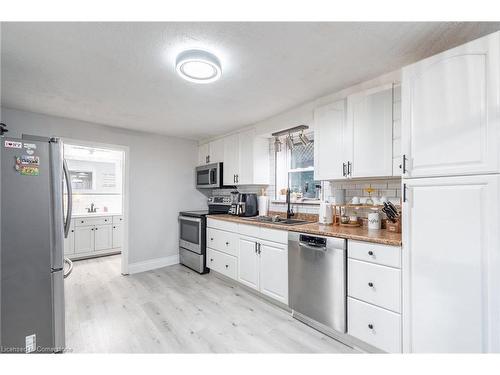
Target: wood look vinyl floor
<point x="175" y="310"/>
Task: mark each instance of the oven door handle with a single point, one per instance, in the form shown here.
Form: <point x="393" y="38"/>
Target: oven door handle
<point x="189" y="219"/>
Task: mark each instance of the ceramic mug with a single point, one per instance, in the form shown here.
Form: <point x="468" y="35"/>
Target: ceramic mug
<point x="374" y="221"/>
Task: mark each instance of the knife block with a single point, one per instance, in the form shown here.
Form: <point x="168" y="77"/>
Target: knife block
<point x="393" y="227"/>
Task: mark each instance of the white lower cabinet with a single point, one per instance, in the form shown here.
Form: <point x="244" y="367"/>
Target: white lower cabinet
<point x="222" y="263"/>
<point x="103" y="235"/>
<point x="376" y="326"/>
<point x="117" y="235"/>
<point x="274" y="271"/>
<point x="374" y="300"/>
<point x="451" y="263"/>
<point x="259" y="255"/>
<point x="263" y="265"/>
<point x="248" y="263"/>
<point x="84" y="239"/>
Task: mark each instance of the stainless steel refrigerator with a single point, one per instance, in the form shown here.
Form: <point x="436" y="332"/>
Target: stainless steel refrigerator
<point x="33" y="227"/>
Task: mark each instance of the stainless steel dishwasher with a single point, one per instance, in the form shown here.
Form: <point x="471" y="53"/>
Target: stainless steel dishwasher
<point x="317" y="280"/>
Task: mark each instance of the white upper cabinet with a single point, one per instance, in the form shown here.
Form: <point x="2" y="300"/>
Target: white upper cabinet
<point x="451" y="263"/>
<point x="216" y="149"/>
<point x="211" y="152"/>
<point x="231" y="164"/>
<point x="368" y="134"/>
<point x="203" y="151"/>
<point x="354" y="137"/>
<point x="246" y="159"/>
<point x="329" y="123"/>
<point x="451" y="111"/>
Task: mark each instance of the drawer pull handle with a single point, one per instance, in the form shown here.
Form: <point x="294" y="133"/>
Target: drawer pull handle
<point x="370" y="284"/>
<point x="370" y="326"/>
<point x="370" y="253"/>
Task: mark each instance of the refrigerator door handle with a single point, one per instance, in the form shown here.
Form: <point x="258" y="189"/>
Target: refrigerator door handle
<point x="70" y="265"/>
<point x="69" y="209"/>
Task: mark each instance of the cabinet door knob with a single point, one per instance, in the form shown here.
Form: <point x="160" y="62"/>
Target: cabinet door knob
<point x="227" y="243"/>
<point x="227" y="266"/>
<point x="211" y="238"/>
<point x="211" y="259"/>
<point x="96" y="228"/>
<point x="370" y="284"/>
<point x="370" y="253"/>
<point x="370" y="326"/>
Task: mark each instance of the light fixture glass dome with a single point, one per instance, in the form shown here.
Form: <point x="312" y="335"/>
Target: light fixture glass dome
<point x="198" y="66"/>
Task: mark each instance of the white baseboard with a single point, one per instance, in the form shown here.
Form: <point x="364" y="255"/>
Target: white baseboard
<point x="152" y="264"/>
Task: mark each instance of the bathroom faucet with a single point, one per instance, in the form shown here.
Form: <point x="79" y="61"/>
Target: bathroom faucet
<point x="92" y="209"/>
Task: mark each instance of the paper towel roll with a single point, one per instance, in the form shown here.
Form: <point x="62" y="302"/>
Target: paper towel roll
<point x="263" y="203"/>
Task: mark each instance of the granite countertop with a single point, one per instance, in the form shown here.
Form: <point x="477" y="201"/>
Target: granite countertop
<point x="358" y="233"/>
<point x="95" y="214"/>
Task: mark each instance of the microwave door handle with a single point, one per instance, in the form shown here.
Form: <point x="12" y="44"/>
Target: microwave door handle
<point x="213" y="176"/>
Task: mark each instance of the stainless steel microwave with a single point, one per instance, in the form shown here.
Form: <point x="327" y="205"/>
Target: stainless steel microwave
<point x="209" y="176"/>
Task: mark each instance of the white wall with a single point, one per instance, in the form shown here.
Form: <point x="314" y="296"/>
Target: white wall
<point x="161" y="176"/>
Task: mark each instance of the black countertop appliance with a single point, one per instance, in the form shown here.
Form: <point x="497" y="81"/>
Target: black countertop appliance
<point x="250" y="204"/>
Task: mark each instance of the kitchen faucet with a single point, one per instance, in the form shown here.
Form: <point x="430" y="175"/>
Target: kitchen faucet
<point x="92" y="209"/>
<point x="289" y="210"/>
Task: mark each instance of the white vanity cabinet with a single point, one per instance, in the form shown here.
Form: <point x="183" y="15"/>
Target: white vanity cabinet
<point x="69" y="243"/>
<point x="374" y="295"/>
<point x="94" y="236"/>
<point x="254" y="256"/>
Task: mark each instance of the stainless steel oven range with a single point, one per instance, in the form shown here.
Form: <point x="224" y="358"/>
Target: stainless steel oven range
<point x="192" y="237"/>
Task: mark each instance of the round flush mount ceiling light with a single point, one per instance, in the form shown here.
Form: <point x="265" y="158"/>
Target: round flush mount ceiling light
<point x="198" y="66"/>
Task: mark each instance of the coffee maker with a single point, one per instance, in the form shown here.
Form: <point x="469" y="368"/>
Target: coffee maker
<point x="243" y="204"/>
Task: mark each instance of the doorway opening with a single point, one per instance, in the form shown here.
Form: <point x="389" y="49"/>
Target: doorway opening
<point x="99" y="184"/>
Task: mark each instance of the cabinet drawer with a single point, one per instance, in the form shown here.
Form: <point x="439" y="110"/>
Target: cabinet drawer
<point x="375" y="253"/>
<point x="85" y="221"/>
<point x="375" y="284"/>
<point x="222" y="225"/>
<point x="373" y="325"/>
<point x="226" y="242"/>
<point x="222" y="263"/>
<point x="117" y="219"/>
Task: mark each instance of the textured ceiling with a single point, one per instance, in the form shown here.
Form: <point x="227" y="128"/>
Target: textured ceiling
<point x="123" y="74"/>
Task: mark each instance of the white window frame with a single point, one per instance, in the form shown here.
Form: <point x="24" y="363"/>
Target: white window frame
<point x="285" y="159"/>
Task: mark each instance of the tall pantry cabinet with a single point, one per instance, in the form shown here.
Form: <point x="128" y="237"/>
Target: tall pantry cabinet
<point x="451" y="205"/>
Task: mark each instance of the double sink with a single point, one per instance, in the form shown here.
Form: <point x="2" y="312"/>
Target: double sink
<point x="275" y="220"/>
